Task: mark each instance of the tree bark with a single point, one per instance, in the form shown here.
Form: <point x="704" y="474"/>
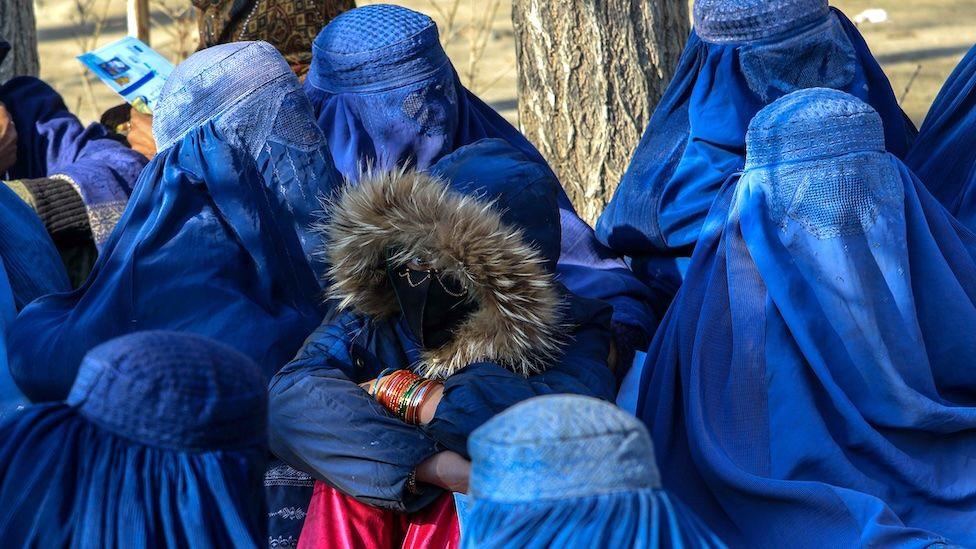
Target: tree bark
<point x="137" y="19"/>
<point x="589" y="75"/>
<point x="18" y="27"/>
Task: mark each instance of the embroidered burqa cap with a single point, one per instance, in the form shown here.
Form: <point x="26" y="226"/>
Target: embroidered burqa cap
<point x="726" y="21"/>
<point x="173" y="390"/>
<point x="571" y="471"/>
<point x="162" y="443"/>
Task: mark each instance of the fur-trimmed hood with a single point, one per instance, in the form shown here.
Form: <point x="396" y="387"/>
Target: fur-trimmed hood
<point x="490" y="218"/>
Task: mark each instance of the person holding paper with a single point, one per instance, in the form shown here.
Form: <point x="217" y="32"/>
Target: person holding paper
<point x="287" y="25"/>
<point x="77" y="179"/>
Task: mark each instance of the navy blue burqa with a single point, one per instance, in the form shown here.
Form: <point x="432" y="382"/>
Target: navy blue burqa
<point x="812" y="386"/>
<point x="742" y="55"/>
<point x="215" y="238"/>
<point x="943" y="156"/>
<point x="386" y="94"/>
<point x="161" y="443"/>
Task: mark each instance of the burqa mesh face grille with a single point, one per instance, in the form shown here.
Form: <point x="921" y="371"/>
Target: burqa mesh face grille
<point x="243" y="86"/>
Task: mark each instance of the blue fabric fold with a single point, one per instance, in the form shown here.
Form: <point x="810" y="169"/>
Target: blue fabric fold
<point x="813" y="374"/>
<point x="943" y="156"/>
<point x="11" y="398"/>
<point x="386" y="95"/>
<point x="31" y="262"/>
<point x="161" y="444"/>
<point x="751" y="54"/>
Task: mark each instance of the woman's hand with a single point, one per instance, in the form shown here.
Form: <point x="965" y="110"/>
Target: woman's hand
<point x="429" y="406"/>
<point x="447" y="470"/>
<point x="368" y="386"/>
<point x="8" y="140"/>
<point x="140" y="134"/>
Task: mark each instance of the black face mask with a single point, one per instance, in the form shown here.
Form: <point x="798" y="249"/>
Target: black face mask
<point x="433" y="304"/>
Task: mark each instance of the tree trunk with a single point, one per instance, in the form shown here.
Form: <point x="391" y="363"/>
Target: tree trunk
<point x="17" y="26"/>
<point x="137" y="19"/>
<point x="590" y="74"/>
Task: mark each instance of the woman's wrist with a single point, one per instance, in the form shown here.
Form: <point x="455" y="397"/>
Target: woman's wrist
<point x="408" y="396"/>
<point x="428" y="409"/>
<point x="447" y="470"/>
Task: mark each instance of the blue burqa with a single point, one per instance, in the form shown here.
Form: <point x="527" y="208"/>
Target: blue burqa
<point x="215" y="241"/>
<point x="386" y="95"/>
<point x="571" y="471"/>
<point x="31" y="262"/>
<point x="943" y="156"/>
<point x="812" y="386"/>
<point x="161" y="443"/>
<point x="742" y="55"/>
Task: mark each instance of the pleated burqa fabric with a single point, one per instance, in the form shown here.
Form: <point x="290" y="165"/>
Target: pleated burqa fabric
<point x="161" y="443"/>
<point x="741" y="56"/>
<point x="943" y="156"/>
<point x="215" y="240"/>
<point x="11" y="397"/>
<point x="572" y="471"/>
<point x="812" y="386"/>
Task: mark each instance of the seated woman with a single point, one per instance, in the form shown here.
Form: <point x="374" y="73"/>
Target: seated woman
<point x="288" y="25"/>
<point x="943" y="156"/>
<point x="572" y="471"/>
<point x="386" y="95"/>
<point x="161" y="443"/>
<point x="815" y="371"/>
<point x="449" y="313"/>
<point x="216" y="239"/>
<point x="77" y="179"/>
<point x="741" y="56"/>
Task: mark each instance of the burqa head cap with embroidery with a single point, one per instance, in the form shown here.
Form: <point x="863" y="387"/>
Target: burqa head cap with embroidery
<point x="173" y="390"/>
<point x="376" y="48"/>
<point x="725" y="21"/>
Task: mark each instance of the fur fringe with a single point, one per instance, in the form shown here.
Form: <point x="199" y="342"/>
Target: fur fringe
<point x="518" y="321"/>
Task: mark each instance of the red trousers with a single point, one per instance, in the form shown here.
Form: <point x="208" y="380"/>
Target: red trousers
<point x="337" y="521"/>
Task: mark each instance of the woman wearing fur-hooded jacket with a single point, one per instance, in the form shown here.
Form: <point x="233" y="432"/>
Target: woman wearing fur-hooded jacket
<point x="448" y="273"/>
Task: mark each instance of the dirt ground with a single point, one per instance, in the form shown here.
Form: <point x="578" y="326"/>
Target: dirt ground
<point x="924" y="38"/>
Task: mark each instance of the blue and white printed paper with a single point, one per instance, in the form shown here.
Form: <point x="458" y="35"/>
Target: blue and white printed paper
<point x="132" y="69"/>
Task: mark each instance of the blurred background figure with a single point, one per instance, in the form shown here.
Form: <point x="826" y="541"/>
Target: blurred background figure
<point x="288" y="25"/>
<point x="161" y="443"/>
<point x="571" y="471"/>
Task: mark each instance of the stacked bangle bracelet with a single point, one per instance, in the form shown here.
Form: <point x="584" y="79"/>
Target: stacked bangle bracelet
<point x="403" y="393"/>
